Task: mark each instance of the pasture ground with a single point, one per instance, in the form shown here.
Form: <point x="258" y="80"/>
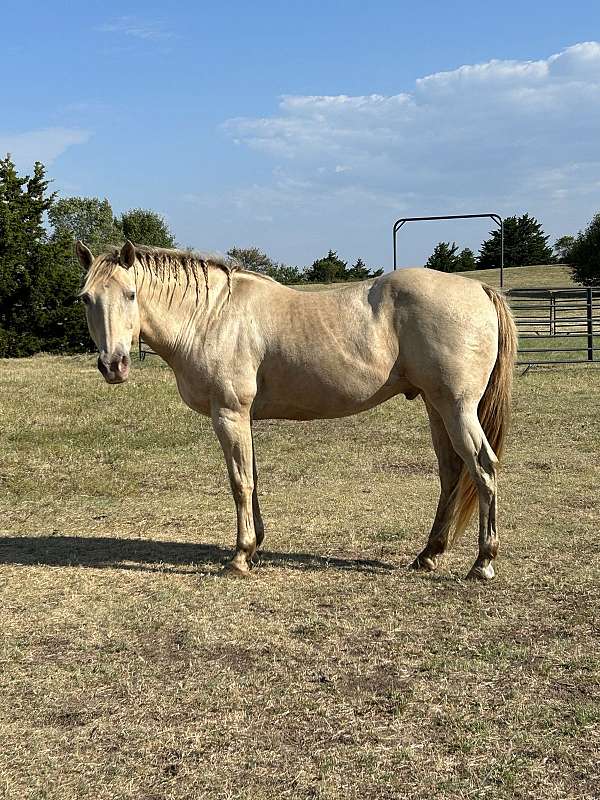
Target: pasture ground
<point x="548" y="276"/>
<point x="132" y="669"/>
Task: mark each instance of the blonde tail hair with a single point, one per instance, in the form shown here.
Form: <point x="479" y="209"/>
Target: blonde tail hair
<point x="493" y="411"/>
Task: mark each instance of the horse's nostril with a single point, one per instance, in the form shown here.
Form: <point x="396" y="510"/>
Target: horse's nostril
<point x="119" y="364"/>
<point x="115" y="368"/>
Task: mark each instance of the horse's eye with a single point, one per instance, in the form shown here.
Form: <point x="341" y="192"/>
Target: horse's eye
<point x="85" y="298"/>
<point x="131" y="296"/>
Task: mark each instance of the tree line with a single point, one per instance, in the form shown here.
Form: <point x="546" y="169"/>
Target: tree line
<point x="40" y="278"/>
<point x="525" y="243"/>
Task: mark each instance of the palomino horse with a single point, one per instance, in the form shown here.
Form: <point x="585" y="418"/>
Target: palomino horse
<point x="244" y="347"/>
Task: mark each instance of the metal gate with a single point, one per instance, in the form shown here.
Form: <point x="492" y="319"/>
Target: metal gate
<point x="557" y="326"/>
<point x="495" y="217"/>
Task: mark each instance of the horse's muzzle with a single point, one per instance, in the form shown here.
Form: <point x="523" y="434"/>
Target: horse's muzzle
<point x="114" y="369"/>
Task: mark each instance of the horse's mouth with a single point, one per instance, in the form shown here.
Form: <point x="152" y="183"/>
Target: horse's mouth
<point x="116" y="379"/>
<point x="115" y="371"/>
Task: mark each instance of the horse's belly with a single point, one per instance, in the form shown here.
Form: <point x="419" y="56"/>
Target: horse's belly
<point x="315" y="397"/>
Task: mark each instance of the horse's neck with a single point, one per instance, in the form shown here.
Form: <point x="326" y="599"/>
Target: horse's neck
<point x="171" y="317"/>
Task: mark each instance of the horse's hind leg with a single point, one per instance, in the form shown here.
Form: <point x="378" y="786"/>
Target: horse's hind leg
<point x="450" y="465"/>
<point x="470" y="442"/>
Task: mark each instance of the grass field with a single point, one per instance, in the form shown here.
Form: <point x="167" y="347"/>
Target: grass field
<point x="544" y="276"/>
<point x="132" y="669"/>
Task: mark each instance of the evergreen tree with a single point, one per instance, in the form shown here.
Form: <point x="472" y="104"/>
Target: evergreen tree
<point x="444" y="257"/>
<point x="38" y="280"/>
<point x="143" y="226"/>
<point x="465" y="260"/>
<point x="584" y="254"/>
<point x="360" y="272"/>
<point x="524" y="243"/>
<point x="327" y="270"/>
<point x="332" y="268"/>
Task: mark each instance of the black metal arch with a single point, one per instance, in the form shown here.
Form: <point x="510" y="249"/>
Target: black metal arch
<point x="495" y="217"/>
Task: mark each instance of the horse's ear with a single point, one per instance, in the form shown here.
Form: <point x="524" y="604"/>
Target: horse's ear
<point x="127" y="256"/>
<point x="84" y="254"/>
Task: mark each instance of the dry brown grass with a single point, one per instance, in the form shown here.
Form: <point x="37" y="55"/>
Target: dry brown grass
<point x="548" y="276"/>
<point x="132" y="669"/>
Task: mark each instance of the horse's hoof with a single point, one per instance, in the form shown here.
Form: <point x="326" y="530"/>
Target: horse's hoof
<point x="423" y="563"/>
<point x="477" y="573"/>
<point x="232" y="570"/>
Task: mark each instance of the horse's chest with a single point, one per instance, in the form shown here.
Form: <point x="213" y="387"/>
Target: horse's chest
<point x="194" y="392"/>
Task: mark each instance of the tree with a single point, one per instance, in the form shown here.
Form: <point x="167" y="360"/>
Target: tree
<point x="327" y="270"/>
<point x="360" y="272"/>
<point x="332" y="268"/>
<point x="87" y="218"/>
<point x="143" y="226"/>
<point x="38" y="280"/>
<point x="562" y="248"/>
<point x="252" y="258"/>
<point x="524" y="243"/>
<point x="444" y="257"/>
<point x="465" y="260"/>
<point x="584" y="254"/>
<point x="285" y="273"/>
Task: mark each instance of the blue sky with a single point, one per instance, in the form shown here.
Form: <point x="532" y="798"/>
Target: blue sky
<point x="304" y="126"/>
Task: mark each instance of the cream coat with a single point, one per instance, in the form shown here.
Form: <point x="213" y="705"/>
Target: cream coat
<point x="244" y="347"/>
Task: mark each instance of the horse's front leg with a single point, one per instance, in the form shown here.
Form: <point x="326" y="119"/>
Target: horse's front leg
<point x="259" y="525"/>
<point x="234" y="433"/>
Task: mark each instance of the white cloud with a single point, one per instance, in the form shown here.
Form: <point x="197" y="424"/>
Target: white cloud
<point x="503" y="135"/>
<point x="135" y="28"/>
<point x="44" y="145"/>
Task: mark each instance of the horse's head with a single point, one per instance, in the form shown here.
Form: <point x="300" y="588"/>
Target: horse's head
<point x="111" y="307"/>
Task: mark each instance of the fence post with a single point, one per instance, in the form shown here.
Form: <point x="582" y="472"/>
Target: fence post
<point x="590" y="325"/>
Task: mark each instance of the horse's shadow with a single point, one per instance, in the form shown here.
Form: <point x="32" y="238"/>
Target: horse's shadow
<point x="154" y="556"/>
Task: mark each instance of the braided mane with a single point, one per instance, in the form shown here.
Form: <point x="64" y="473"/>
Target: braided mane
<point x="167" y="265"/>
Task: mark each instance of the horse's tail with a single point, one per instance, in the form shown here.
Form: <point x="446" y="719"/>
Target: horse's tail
<point x="494" y="408"/>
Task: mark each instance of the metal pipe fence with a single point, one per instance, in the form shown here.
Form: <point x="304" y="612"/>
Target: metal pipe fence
<point x="556" y="322"/>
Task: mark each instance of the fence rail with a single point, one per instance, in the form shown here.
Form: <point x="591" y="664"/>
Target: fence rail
<point x="558" y="321"/>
